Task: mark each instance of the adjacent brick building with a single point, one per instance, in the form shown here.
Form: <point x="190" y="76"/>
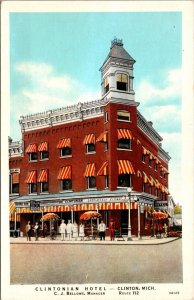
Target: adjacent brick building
<point x="100" y="155"/>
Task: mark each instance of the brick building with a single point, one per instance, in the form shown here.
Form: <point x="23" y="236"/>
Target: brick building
<point x="101" y="155"/>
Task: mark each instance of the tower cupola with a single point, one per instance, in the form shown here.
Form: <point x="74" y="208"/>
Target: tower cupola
<point x="117" y="74"/>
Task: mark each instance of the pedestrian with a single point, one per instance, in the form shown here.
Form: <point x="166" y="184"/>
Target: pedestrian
<point x="102" y="229"/>
<point x="112" y="229"/>
<point x="62" y="229"/>
<point x="165" y="227"/>
<point x="36" y="231"/>
<point x="75" y="230"/>
<point x="44" y="230"/>
<point x="53" y="232"/>
<point x="28" y="231"/>
<point x="81" y="231"/>
<point x="69" y="230"/>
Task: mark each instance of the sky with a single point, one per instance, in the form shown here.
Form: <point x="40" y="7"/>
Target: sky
<point x="55" y="60"/>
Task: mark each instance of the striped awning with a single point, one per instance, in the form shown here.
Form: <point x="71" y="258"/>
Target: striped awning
<point x="125" y="167"/>
<point x="89" y="139"/>
<point x="43" y="146"/>
<point x="90" y="170"/>
<point x="145" y="178"/>
<point x="11" y="207"/>
<point x="157" y="184"/>
<point x="102" y="137"/>
<point x="31" y="177"/>
<point x="124" y="134"/>
<point x="145" y="151"/>
<point x="31" y="148"/>
<point x="156" y="160"/>
<point x="64" y="143"/>
<point x="15" y="177"/>
<point x="151" y="180"/>
<point x="43" y="176"/>
<point x="104" y="169"/>
<point x="139" y="173"/>
<point x="64" y="173"/>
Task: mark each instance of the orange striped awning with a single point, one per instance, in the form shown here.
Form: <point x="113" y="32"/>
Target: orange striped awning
<point x="139" y="173"/>
<point x="64" y="173"/>
<point x="125" y="167"/>
<point x="102" y="137"/>
<point x="31" y="148"/>
<point x="124" y="134"/>
<point x="15" y="177"/>
<point x="90" y="170"/>
<point x="104" y="169"/>
<point x="145" y="178"/>
<point x="31" y="177"/>
<point x="89" y="139"/>
<point x="43" y="146"/>
<point x="145" y="151"/>
<point x="11" y="207"/>
<point x="157" y="184"/>
<point x="152" y="181"/>
<point x="64" y="143"/>
<point x="43" y="176"/>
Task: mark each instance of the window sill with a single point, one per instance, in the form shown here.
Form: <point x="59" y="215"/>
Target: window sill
<point x="65" y="156"/>
<point x="65" y="191"/>
<point x="43" y="159"/>
<point x="32" y="161"/>
<point x="92" y="152"/>
<point x="143" y="162"/>
<point x="122" y="149"/>
<point x="14" y="194"/>
<point x="123" y="187"/>
<point x="33" y="193"/>
<point x="128" y="121"/>
<point x="91" y="189"/>
<point x="44" y="193"/>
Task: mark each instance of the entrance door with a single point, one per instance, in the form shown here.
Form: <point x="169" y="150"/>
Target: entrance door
<point x="124" y="222"/>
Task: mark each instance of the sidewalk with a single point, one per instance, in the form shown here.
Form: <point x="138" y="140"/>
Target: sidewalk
<point x="145" y="240"/>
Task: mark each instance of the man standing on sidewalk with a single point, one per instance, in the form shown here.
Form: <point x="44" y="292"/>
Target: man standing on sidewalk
<point x="36" y="229"/>
<point x="28" y="231"/>
<point x="102" y="229"/>
<point x="69" y="230"/>
<point x="62" y="230"/>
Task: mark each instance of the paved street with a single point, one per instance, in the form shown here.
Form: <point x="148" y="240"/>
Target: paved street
<point x="76" y="263"/>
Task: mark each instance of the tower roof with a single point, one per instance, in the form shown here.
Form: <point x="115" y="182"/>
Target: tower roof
<point x="117" y="51"/>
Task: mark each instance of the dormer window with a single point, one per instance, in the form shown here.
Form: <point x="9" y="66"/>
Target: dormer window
<point x="122" y="82"/>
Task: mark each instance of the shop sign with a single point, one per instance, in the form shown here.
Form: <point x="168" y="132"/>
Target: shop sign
<point x="34" y="205"/>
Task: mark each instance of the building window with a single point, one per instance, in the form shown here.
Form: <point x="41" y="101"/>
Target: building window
<point x="33" y="156"/>
<point x="156" y="192"/>
<point x="66" y="184"/>
<point x="150" y="163"/>
<point x="124" y="180"/>
<point x="150" y="189"/>
<point x="155" y="167"/>
<point x="143" y="158"/>
<point x="122" y="82"/>
<point x="106" y="116"/>
<point x="161" y="173"/>
<point x="66" y="151"/>
<point x="143" y="187"/>
<point x="124" y="144"/>
<point x="91" y="182"/>
<point x="43" y="187"/>
<point x="32" y="188"/>
<point x="123" y="115"/>
<point x="105" y="146"/>
<point x="90" y="148"/>
<point x="44" y="155"/>
<point x="106" y="178"/>
<point x="14" y="183"/>
<point x="161" y="196"/>
<point x="106" y="85"/>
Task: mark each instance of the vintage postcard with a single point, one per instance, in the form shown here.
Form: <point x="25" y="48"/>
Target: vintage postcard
<point x="97" y="150"/>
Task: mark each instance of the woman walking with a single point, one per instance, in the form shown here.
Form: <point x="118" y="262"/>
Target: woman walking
<point x="62" y="230"/>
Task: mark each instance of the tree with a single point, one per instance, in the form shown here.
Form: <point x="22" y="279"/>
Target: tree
<point x="178" y="209"/>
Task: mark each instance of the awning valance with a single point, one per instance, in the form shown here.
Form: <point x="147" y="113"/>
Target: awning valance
<point x="43" y="176"/>
<point x="125" y="167"/>
<point x="104" y="169"/>
<point x="89" y="139"/>
<point x="90" y="170"/>
<point x="43" y="146"/>
<point x="11" y="207"/>
<point x="15" y="177"/>
<point x="157" y="184"/>
<point x="139" y="173"/>
<point x="145" y="151"/>
<point x="64" y="173"/>
<point x="64" y="143"/>
<point x="102" y="137"/>
<point x="151" y="180"/>
<point x="31" y="148"/>
<point x="145" y="178"/>
<point x="124" y="134"/>
<point x="31" y="177"/>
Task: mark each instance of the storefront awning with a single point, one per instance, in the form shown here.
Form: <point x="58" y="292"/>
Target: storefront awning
<point x="43" y="176"/>
<point x="64" y="143"/>
<point x="11" y="207"/>
<point x="102" y="137"/>
<point x="89" y="139"/>
<point x="145" y="151"/>
<point x="139" y="173"/>
<point x="43" y="146"/>
<point x="125" y="167"/>
<point x="31" y="148"/>
<point x="151" y="180"/>
<point x="90" y="170"/>
<point x="64" y="173"/>
<point x="145" y="178"/>
<point x="157" y="184"/>
<point x="124" y="134"/>
<point x="104" y="169"/>
<point x="31" y="177"/>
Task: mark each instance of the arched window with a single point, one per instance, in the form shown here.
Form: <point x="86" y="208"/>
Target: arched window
<point x="122" y="82"/>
